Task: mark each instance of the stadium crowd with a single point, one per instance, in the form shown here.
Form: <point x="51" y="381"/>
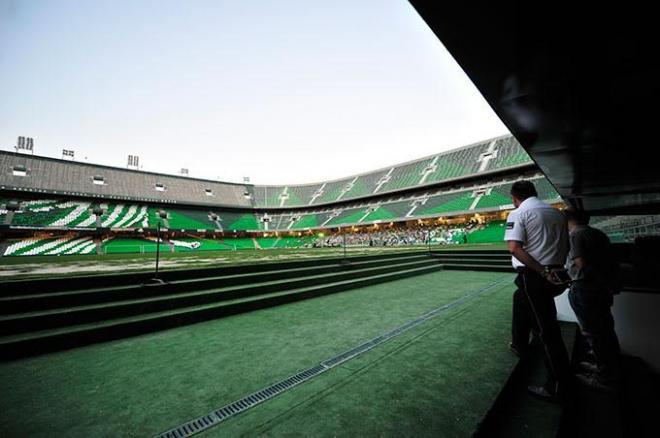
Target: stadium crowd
<point x="415" y="235"/>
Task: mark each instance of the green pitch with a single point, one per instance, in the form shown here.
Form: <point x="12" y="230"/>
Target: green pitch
<point x="437" y="379"/>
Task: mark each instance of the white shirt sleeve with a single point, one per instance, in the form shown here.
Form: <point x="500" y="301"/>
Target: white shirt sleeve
<point x="515" y="228"/>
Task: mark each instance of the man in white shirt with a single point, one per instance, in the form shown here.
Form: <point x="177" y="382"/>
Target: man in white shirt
<point x="537" y="238"/>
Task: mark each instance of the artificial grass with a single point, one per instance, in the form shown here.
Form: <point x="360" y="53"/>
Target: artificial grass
<point x="147" y="384"/>
<point x="439" y="379"/>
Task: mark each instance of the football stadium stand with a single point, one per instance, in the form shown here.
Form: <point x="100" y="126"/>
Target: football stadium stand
<point x="30" y="173"/>
<point x="72" y="214"/>
<point x="87" y="203"/>
<point x="443" y="167"/>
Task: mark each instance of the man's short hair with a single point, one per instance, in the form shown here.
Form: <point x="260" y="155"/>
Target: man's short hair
<point x="523" y="190"/>
<point x="580" y="217"/>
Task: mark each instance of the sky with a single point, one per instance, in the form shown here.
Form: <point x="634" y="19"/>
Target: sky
<point x="282" y="91"/>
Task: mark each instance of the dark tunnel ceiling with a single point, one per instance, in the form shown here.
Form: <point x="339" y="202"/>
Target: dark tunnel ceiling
<point x="578" y="88"/>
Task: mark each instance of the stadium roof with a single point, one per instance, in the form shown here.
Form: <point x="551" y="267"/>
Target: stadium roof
<point x="577" y="87"/>
<point x="42" y="175"/>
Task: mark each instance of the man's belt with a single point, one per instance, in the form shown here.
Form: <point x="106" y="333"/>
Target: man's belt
<point x="526" y="269"/>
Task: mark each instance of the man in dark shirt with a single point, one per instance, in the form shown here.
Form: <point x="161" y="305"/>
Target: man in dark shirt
<point x="593" y="269"/>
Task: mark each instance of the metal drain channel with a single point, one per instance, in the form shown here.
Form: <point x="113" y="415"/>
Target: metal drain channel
<point x="219" y="415"/>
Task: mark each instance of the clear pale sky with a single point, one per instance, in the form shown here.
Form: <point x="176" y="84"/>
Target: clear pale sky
<point x="282" y="91"/>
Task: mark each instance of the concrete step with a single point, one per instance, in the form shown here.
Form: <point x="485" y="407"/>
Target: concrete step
<point x="29" y="302"/>
<point x="86" y="282"/>
<point x="39" y="342"/>
<point x="82" y="314"/>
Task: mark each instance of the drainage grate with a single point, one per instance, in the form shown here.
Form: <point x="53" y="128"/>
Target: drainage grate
<point x="219" y="415"/>
<point x="347" y="355"/>
<point x="202" y="423"/>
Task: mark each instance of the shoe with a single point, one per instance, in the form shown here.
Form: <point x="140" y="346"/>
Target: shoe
<point x="541" y="393"/>
<point x="589" y="367"/>
<point x="592" y="381"/>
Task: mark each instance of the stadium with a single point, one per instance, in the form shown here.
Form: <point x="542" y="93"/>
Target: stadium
<point x="138" y="303"/>
<point x="68" y="208"/>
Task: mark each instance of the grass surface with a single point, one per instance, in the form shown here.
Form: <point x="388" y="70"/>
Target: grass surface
<point x="436" y="379"/>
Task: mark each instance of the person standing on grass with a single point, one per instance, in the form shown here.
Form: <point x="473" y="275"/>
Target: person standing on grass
<point x="594" y="273"/>
<point x="537" y="238"/>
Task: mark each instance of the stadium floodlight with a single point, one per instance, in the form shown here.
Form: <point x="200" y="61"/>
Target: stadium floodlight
<point x="133" y="162"/>
<point x="184" y="172"/>
<point x="246" y="179"/>
<point x="25" y="143"/>
<point x="68" y="153"/>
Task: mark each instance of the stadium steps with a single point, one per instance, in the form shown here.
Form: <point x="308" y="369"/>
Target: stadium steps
<point x="25" y="322"/>
<point x="477" y="260"/>
<point x="86" y="282"/>
<point x="40" y="332"/>
<point x="227" y="284"/>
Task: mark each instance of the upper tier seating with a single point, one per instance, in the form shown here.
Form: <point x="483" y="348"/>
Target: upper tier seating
<point x="508" y="153"/>
<point x="46" y="175"/>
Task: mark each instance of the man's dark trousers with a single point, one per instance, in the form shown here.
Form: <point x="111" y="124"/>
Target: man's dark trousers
<point x="540" y="315"/>
<point x="592" y="308"/>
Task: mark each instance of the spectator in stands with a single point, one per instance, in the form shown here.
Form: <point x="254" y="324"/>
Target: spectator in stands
<point x="594" y="272"/>
<point x="537" y="238"/>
